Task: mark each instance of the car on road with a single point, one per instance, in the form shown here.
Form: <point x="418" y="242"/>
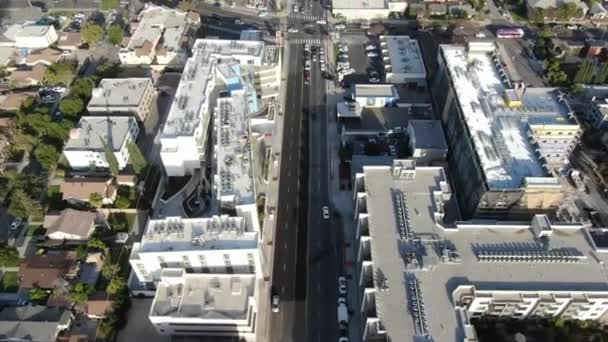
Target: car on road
<point x="374" y="80"/>
<point x="370" y="47"/>
<point x="323" y="68"/>
<point x="306" y="47"/>
<point x="307" y="65"/>
<point x="262" y="14"/>
<point x="326" y="212"/>
<point x="275" y="303"/>
<point x="343" y="339"/>
<point x="343" y="48"/>
<point x="292" y="30"/>
<point x="572" y="27"/>
<point x="372" y="54"/>
<point x="321" y="21"/>
<point x="15" y="224"/>
<point x="340" y="26"/>
<point x="238" y="21"/>
<point x="342" y="285"/>
<point x="295" y="8"/>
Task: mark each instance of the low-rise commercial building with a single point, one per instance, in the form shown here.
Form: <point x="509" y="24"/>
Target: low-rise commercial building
<point x="123" y="96"/>
<point x="367" y="9"/>
<point x="508" y="143"/>
<point x="547" y="10"/>
<point x="422" y="278"/>
<point x="35" y="37"/>
<point x="87" y="144"/>
<point x="427" y="141"/>
<point x="403" y="61"/>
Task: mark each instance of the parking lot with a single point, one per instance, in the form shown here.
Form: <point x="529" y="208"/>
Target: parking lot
<point x="364" y="68"/>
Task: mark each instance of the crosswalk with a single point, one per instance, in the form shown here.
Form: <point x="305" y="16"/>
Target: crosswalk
<point x="309" y="41"/>
<point x="303" y="17"/>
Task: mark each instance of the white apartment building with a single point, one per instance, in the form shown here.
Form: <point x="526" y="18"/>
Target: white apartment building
<point x="35" y="36"/>
<point x="402" y="60"/>
<point x="420" y="278"/>
<point x="123" y="96"/>
<point x="216" y="65"/>
<point x="85" y="148"/>
<point x="367" y="9"/>
<point x="162" y="37"/>
<point x="205" y="272"/>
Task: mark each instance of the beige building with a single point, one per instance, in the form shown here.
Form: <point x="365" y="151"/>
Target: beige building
<point x="123" y="96"/>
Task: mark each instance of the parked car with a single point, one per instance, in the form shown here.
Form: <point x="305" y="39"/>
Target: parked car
<point x="307" y="65"/>
<point x="321" y="21"/>
<point x="262" y="14"/>
<point x="370" y="47"/>
<point x="340" y="26"/>
<point x="374" y="80"/>
<point x="292" y="30"/>
<point x="342" y="285"/>
<point x="326" y="212"/>
<point x="275" y="303"/>
<point x="343" y="48"/>
<point x="372" y="54"/>
<point x="15" y="224"/>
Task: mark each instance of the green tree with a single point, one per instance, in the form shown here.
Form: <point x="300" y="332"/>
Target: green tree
<point x="602" y="75"/>
<point x="115" y="34"/>
<point x="110" y="270"/>
<point x="38" y="295"/>
<point x="96" y="199"/>
<point x="59" y="74"/>
<point x="58" y="132"/>
<point x="91" y="33"/>
<point x="81" y="251"/>
<point x="116" y="286"/>
<point x="108" y="5"/>
<point x="47" y="156"/>
<point x="136" y="157"/>
<point x="110" y="158"/>
<point x="9" y="256"/>
<point x="122" y="203"/>
<point x="22" y="141"/>
<point x="81" y="292"/>
<point x="71" y="106"/>
<point x="96" y="243"/>
<point x="82" y="87"/>
<point x="107" y="70"/>
<point x="23" y="205"/>
<point x="568" y="11"/>
<point x="557" y="77"/>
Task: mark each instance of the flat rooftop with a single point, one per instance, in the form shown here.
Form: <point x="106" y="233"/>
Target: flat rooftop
<point x="499" y="131"/>
<point x="375" y="90"/>
<point x="404" y="54"/>
<point x="234" y="178"/>
<point x="190" y="103"/>
<point x="359" y="4"/>
<point x="428" y="134"/>
<point x="156" y="22"/>
<point x="185" y="234"/>
<point x="119" y="92"/>
<point x="446" y="257"/>
<point x="204" y="296"/>
<point x="92" y="131"/>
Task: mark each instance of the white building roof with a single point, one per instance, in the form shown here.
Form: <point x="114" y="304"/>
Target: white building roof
<point x="499" y="132"/>
<point x="375" y="90"/>
<point x="119" y="92"/>
<point x="185" y="234"/>
<point x="92" y="130"/>
<point x="156" y="22"/>
<point x="359" y="4"/>
<point x="448" y="256"/>
<point x="428" y="134"/>
<point x="234" y="179"/>
<point x="403" y="53"/>
<point x="203" y="296"/>
<point x="33" y="31"/>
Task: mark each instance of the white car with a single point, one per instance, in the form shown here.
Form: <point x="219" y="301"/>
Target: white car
<point x="342" y="285"/>
<point x="326" y="212"/>
<point x="340" y="26"/>
<point x="292" y="30"/>
<point x="343" y="48"/>
<point x="341" y="300"/>
<point x="374" y="80"/>
<point x="323" y="67"/>
<point x="295" y="8"/>
<point x="16" y="224"/>
<point x="275" y="303"/>
<point x="372" y="54"/>
<point x="262" y="14"/>
<point x="60" y="90"/>
<point x="321" y="21"/>
<point x="238" y="21"/>
<point x="306" y="47"/>
<point x="343" y="339"/>
<point x="371" y="47"/>
<point x="307" y="65"/>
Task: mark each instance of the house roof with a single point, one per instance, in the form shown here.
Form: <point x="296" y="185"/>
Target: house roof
<point x="99" y="304"/>
<point x="34" y="313"/>
<point x="46" y="270"/>
<point x="69" y="39"/>
<point x="82" y="188"/>
<point x="7" y="122"/>
<point x="93" y="130"/>
<point x="28" y="331"/>
<point x="13" y="100"/>
<point x="70" y="221"/>
<point x="47" y="56"/>
<point x="126" y="179"/>
<point x="35" y="73"/>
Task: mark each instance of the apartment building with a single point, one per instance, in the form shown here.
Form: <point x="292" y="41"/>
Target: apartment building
<point x="421" y="278"/>
<point x="86" y="145"/>
<point x="162" y="37"/>
<point x="123" y="96"/>
<point x="508" y="143"/>
<point x="204" y="272"/>
<point x="216" y="66"/>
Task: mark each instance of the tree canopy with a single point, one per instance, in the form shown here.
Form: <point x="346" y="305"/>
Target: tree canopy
<point x="96" y="199"/>
<point x="82" y="87"/>
<point x="136" y="157"/>
<point x="23" y="205"/>
<point x="47" y="156"/>
<point x="116" y="286"/>
<point x="110" y="158"/>
<point x="71" y="106"/>
<point x="91" y="33"/>
<point x="107" y="5"/>
<point x="59" y="74"/>
<point x="81" y="292"/>
<point x="38" y="295"/>
<point x="115" y="34"/>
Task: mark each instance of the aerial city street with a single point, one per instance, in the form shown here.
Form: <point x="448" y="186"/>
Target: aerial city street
<point x="303" y="170"/>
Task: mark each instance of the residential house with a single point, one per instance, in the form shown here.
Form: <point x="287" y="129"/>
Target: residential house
<point x="35" y="37"/>
<point x="50" y="270"/>
<point x="547" y="9"/>
<point x="7" y="55"/>
<point x="71" y="5"/>
<point x="436" y="9"/>
<point x="417" y="10"/>
<point x="79" y="190"/>
<point x="35" y="323"/>
<point x="12" y="101"/>
<point x="91" y="268"/>
<point x="70" y="224"/>
<point x="28" y="76"/>
<point x="98" y="305"/>
<point x="7" y="125"/>
<point x="88" y="141"/>
<point x="461" y="10"/>
<point x="123" y="96"/>
<point x="46" y="56"/>
<point x="69" y="41"/>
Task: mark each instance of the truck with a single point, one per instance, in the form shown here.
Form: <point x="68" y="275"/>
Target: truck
<point x="342" y="312"/>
